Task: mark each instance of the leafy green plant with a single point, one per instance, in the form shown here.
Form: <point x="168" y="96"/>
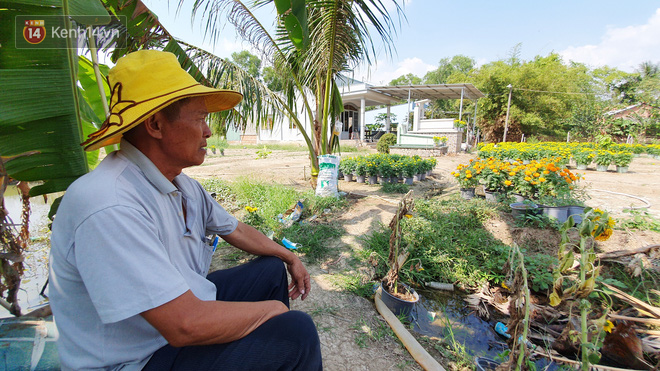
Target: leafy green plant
<point x="603" y="157"/>
<point x="385" y="142"/>
<point x="622" y="158"/>
<point x="639" y="219"/>
<point x="263" y="153"/>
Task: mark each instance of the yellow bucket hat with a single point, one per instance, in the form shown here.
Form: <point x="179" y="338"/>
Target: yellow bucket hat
<point x="143" y="83"/>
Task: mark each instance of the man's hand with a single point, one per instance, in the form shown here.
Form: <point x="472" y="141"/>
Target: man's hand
<point x="300" y="284"/>
<point x="250" y="240"/>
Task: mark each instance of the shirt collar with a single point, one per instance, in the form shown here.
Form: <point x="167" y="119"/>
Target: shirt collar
<point x="150" y="170"/>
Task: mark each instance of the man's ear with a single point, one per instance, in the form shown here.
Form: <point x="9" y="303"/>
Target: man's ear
<point x="154" y="125"/>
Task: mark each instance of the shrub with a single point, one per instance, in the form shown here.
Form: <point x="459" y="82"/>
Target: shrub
<point x="385" y="142"/>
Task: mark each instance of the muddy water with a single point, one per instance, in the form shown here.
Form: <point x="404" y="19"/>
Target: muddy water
<point x="36" y="256"/>
<point x="445" y="315"/>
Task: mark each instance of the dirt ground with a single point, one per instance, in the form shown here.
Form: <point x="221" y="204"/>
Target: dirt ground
<point x="343" y="319"/>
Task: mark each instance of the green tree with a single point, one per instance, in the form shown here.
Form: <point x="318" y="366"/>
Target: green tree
<point x="450" y="70"/>
<point x="272" y="79"/>
<point x="249" y="62"/>
<point x="454" y="70"/>
<point x="407" y="79"/>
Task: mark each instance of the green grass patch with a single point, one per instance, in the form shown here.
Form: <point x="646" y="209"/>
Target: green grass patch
<point x="395" y="188"/>
<point x="448" y="243"/>
<point x="243" y="196"/>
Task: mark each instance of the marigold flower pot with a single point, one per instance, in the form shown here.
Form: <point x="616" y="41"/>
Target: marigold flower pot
<point x="582" y="166"/>
<point x="621" y="169"/>
<point x="522" y="209"/>
<point x="467" y="193"/>
<point x="372" y="179"/>
<point x="417" y="177"/>
<point x="559" y="213"/>
<point x="360" y="178"/>
<point x="601" y="167"/>
<point x="576" y="212"/>
<point x="348" y="177"/>
<point x="491" y="195"/>
<point x="408" y="181"/>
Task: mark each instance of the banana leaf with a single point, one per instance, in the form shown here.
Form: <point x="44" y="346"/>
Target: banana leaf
<point x="39" y="99"/>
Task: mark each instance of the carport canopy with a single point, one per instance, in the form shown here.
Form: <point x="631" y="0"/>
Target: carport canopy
<point x="434" y="91"/>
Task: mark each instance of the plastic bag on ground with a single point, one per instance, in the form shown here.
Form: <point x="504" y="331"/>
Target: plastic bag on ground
<point x="326" y="184"/>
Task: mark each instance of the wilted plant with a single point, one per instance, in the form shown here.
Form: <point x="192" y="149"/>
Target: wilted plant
<point x="596" y="225"/>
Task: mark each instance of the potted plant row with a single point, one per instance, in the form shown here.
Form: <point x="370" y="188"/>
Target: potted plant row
<point x="385" y="168"/>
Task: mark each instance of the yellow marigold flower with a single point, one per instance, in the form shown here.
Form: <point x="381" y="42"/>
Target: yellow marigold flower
<point x="608" y="326"/>
<point x="542" y="180"/>
<point x="507" y="182"/>
<point x="251" y="209"/>
<point x="546" y="172"/>
<point x="513" y="173"/>
<point x="528" y="173"/>
<point x="408" y="216"/>
<point x="534" y="183"/>
<point x="468" y="175"/>
<point x="536" y="175"/>
<point x="528" y="178"/>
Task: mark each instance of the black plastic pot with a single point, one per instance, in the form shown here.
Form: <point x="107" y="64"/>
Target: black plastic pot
<point x="486" y="364"/>
<point x="520" y="209"/>
<point x="398" y="306"/>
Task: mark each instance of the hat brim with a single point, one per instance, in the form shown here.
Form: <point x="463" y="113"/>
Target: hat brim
<point x="135" y="113"/>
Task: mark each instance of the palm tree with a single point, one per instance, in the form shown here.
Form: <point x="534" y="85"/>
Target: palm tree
<point x="339" y="39"/>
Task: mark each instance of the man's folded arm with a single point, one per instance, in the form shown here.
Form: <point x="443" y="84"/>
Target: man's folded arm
<point x="188" y="320"/>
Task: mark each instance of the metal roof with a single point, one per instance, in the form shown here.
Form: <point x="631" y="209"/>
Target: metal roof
<point x="434" y="91"/>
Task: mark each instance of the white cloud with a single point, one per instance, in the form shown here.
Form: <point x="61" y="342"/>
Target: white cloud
<point x="383" y="72"/>
<point x="625" y="48"/>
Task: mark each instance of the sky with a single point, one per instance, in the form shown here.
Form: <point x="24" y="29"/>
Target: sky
<point x="620" y="34"/>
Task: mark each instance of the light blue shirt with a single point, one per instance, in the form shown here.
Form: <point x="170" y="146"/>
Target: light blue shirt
<point x="120" y="246"/>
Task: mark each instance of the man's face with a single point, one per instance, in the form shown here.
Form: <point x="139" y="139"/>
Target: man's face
<point x="184" y="139"/>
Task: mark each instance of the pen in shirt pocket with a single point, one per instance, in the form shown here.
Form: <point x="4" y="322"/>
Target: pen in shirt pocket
<point x="216" y="238"/>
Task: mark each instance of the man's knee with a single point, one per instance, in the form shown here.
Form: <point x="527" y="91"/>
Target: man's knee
<point x="300" y="325"/>
<point x="272" y="263"/>
<point x="298" y="337"/>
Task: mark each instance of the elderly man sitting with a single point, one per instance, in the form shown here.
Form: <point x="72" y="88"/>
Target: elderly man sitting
<point x="132" y="243"/>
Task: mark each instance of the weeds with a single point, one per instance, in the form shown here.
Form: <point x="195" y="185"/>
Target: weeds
<point x="354" y="283"/>
<point x="258" y="205"/>
<point x="263" y="153"/>
<point x="640" y="220"/>
<point x="369" y="331"/>
<point x="395" y="188"/>
<point x="448" y="243"/>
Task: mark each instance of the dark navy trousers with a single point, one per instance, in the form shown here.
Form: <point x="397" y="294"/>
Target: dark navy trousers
<point x="288" y="341"/>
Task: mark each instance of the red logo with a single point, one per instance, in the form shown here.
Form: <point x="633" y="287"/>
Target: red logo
<point x="34" y="31"/>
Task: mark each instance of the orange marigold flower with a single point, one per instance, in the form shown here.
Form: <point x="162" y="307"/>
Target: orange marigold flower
<point x="536" y="175"/>
<point x="542" y="180"/>
<point x="507" y="182"/>
<point x="546" y="172"/>
<point x="528" y="178"/>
